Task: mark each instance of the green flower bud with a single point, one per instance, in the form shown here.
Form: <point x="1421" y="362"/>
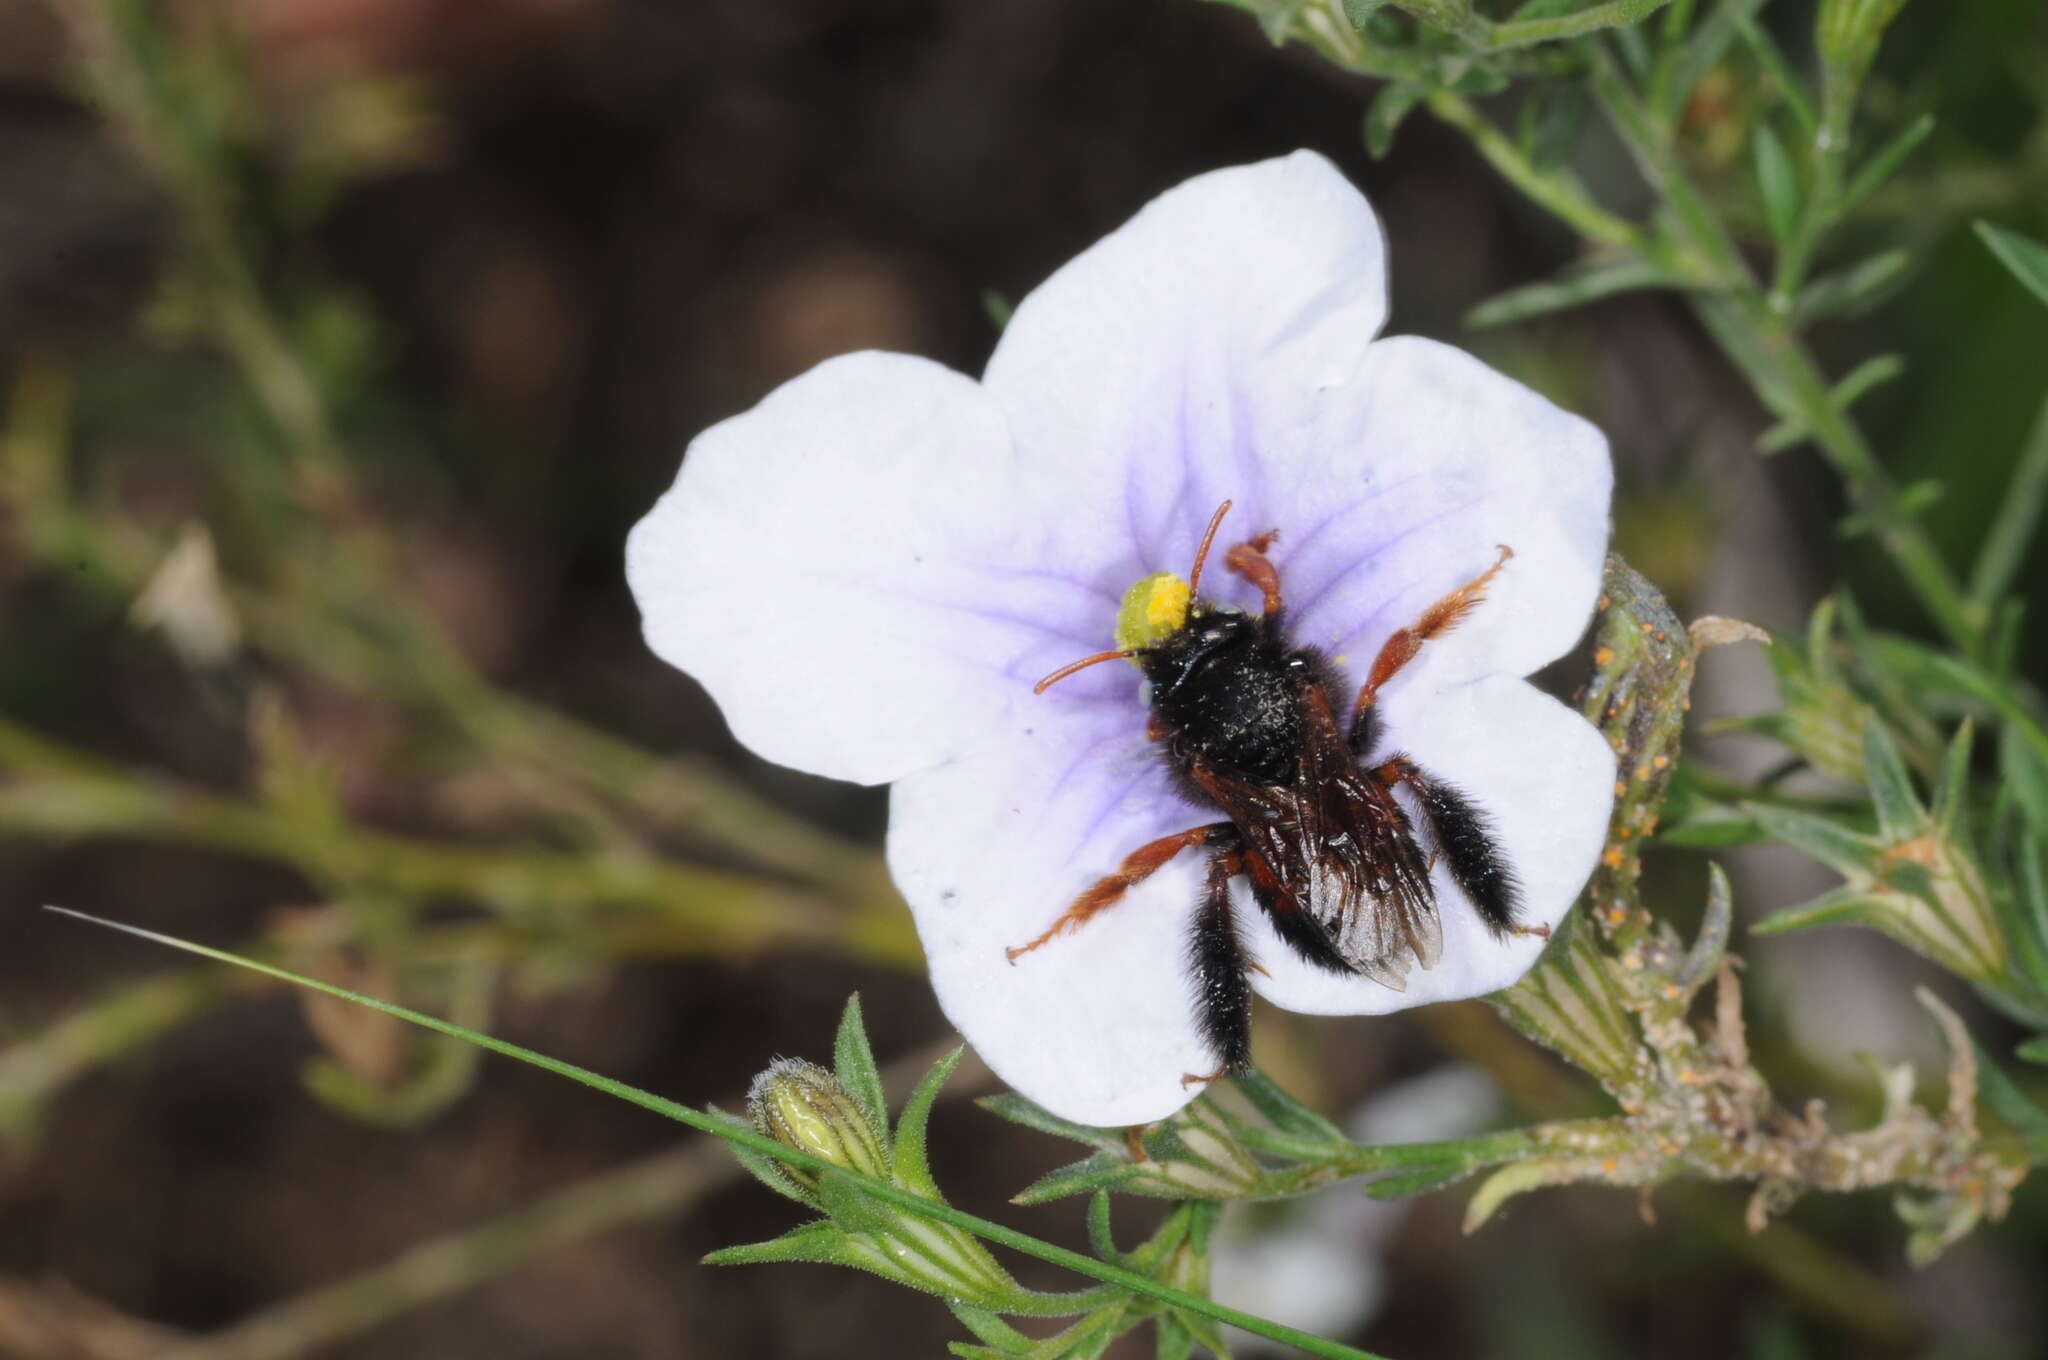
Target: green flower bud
<point x="804" y="1106"/>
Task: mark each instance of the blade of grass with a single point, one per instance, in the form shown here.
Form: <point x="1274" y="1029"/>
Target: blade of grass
<point x="705" y="1123"/>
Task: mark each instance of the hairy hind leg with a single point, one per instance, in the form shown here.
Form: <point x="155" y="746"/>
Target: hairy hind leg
<point x="1401" y="648"/>
<point x="1217" y="958"/>
<point x="1139" y="865"/>
<point x="1464" y="837"/>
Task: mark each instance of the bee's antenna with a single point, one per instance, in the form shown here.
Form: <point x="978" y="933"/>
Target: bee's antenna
<point x="1072" y="666"/>
<point x="1202" y="553"/>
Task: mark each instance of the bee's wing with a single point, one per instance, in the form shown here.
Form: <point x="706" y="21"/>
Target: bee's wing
<point x="1332" y="859"/>
<point x="1368" y="881"/>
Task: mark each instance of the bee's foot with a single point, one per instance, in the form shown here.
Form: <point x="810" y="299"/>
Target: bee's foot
<point x="1190" y="1079"/>
<point x="1540" y="932"/>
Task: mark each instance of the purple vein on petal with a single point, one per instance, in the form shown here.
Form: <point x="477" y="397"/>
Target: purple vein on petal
<point x="1293" y="545"/>
<point x="1104" y="812"/>
<point x="1102" y="593"/>
<point x="1372" y="554"/>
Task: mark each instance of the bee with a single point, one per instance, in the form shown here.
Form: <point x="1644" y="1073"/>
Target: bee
<point x="1248" y="723"/>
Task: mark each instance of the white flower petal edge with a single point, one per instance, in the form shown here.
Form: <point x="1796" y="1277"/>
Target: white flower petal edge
<point x="1158" y="366"/>
<point x="1543" y="776"/>
<point x="1455" y="461"/>
<point x="810" y="568"/>
<point x="1099" y="1025"/>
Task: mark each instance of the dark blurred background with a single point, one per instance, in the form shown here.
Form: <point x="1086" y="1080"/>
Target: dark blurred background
<point x="532" y="247"/>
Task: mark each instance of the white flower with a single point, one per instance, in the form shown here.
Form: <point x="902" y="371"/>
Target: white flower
<point x="870" y="570"/>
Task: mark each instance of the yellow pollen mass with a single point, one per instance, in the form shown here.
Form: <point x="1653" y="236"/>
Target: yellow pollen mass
<point x="1152" y="610"/>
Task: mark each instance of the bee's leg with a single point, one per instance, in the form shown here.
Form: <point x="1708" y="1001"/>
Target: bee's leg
<point x="1138" y="866"/>
<point x="1223" y="991"/>
<point x="1290" y="923"/>
<point x="1465" y="839"/>
<point x="1400" y="649"/>
<point x="1249" y="560"/>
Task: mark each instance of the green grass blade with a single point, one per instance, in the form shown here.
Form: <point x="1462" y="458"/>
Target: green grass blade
<point x="706" y="1123"/>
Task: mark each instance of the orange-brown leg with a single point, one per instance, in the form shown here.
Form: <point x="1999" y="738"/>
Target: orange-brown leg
<point x="1138" y="866"/>
<point x="1249" y="560"/>
<point x="1438" y="619"/>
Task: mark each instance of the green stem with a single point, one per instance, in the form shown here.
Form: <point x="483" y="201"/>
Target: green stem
<point x="55" y="791"/>
<point x="1550" y="189"/>
<point x="880" y="1191"/>
<point x="1762" y="341"/>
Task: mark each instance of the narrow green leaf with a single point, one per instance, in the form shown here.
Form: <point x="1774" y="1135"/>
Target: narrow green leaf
<point x="1575" y="287"/>
<point x="2021" y="1113"/>
<point x="1848" y="292"/>
<point x="912" y="1172"/>
<point x="1842" y="907"/>
<point x="1884" y="164"/>
<point x="767" y="1170"/>
<point x="1283" y="1111"/>
<point x="2034" y="1050"/>
<point x="1207" y="1333"/>
<point x="2030" y="898"/>
<point x="1778" y="182"/>
<point x="1829" y="842"/>
<point x="1701" y="53"/>
<point x="853" y="1060"/>
<point x="1861" y="380"/>
<point x="1018" y="1110"/>
<point x="2022" y="770"/>
<point x="1389" y="109"/>
<point x="1000" y="1336"/>
<point x="1952" y="796"/>
<point x="1551" y="119"/>
<point x="822" y="1243"/>
<point x="2026" y="258"/>
<point x="1101" y="1240"/>
<point x="2019" y="514"/>
<point x="1899" y="812"/>
<point x="1102" y="1171"/>
<point x="1790" y="87"/>
<point x="1406" y="1183"/>
<point x="1172" y="1340"/>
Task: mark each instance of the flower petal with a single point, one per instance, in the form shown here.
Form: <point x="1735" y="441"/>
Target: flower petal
<point x="849" y="571"/>
<point x="1097" y="1025"/>
<point x="1405" y="485"/>
<point x="1161" y="369"/>
<point x="1544" y="778"/>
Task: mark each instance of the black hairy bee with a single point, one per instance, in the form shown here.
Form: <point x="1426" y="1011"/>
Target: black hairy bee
<point x="1248" y="723"/>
